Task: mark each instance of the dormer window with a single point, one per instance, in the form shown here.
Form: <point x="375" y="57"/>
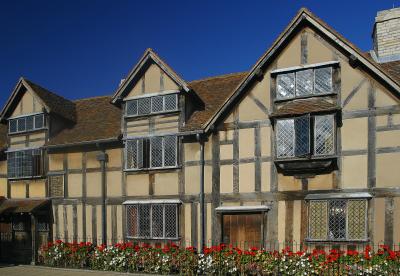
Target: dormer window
<point x="305" y="136"/>
<point x="26" y="123"/>
<point x="306" y="81"/>
<point x="152" y="105"/>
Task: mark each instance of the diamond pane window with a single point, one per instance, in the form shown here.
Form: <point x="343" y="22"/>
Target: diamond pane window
<point x="157" y="104"/>
<point x="324" y="135"/>
<point x="21" y="124"/>
<point x="152" y="220"/>
<point x="323" y="80"/>
<point x="170" y="151"/>
<point x="356" y="214"/>
<point x="144" y="106"/>
<point x="13" y="126"/>
<point x="304" y="82"/>
<point x="318" y="220"/>
<point x="285" y="138"/>
<point x="171" y="102"/>
<point x="157" y="152"/>
<point x="154" y="152"/>
<point x="338" y="219"/>
<point x="29" y="123"/>
<point x="302" y="135"/>
<point x="285" y="86"/>
<point x="132" y="107"/>
<point x="152" y="105"/>
<point x="24" y="163"/>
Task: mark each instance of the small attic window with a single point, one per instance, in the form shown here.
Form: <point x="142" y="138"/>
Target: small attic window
<point x="26" y="123"/>
<point x="152" y="105"/>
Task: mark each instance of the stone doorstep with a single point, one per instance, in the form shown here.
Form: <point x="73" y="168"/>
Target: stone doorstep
<point x="97" y="272"/>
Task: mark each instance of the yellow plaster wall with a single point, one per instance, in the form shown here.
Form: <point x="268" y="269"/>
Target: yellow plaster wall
<point x="246" y="142"/>
<point x="265" y="133"/>
<point x="288" y="183"/>
<point x="384" y="97"/>
<point x="119" y="222"/>
<point x="93" y="184"/>
<point x="70" y="223"/>
<point x="89" y="224"/>
<point x="114" y="183"/>
<point x="192" y="176"/>
<point x="387" y="170"/>
<point x="99" y="222"/>
<point x="321" y="182"/>
<point x="354" y="171"/>
<point x="166" y="183"/>
<point x="109" y="223"/>
<point x="61" y="222"/>
<point x="169" y="84"/>
<point x="355" y="134"/>
<point x="281" y="221"/>
<point x="18" y="189"/>
<point x="318" y="51"/>
<point x="387" y="138"/>
<point x="192" y="151"/>
<point x="75" y="160"/>
<point x="379" y="220"/>
<point x="265" y="176"/>
<point x="249" y="111"/>
<point x="91" y="159"/>
<point x="226" y="179"/>
<point x="79" y="211"/>
<point x="37" y="188"/>
<point x="114" y="157"/>
<point x="56" y="161"/>
<point x="226" y="152"/>
<point x="137" y="184"/>
<point x="26" y="105"/>
<point x="296" y="220"/>
<point x="75" y="184"/>
<point x="3" y="187"/>
<point x="246" y="178"/>
<point x="188" y="217"/>
<point x="290" y="56"/>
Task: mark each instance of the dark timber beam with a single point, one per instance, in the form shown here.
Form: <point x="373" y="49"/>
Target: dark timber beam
<point x="102" y="157"/>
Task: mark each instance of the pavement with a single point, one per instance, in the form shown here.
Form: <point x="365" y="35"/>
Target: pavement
<point x="30" y="270"/>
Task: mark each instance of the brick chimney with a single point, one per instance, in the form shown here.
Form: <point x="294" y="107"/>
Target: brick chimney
<point x="386" y="36"/>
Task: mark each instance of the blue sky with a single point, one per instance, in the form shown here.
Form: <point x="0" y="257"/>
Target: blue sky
<point x="83" y="48"/>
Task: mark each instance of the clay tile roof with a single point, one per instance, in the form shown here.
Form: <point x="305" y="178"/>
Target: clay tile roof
<point x="302" y="106"/>
<point x="393" y="69"/>
<point x="213" y="91"/>
<point x="57" y="104"/>
<point x="96" y="119"/>
<point x="21" y="205"/>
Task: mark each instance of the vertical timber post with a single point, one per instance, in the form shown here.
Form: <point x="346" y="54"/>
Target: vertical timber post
<point x="201" y="196"/>
<point x="102" y="157"/>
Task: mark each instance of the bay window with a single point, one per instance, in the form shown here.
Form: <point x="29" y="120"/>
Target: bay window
<point x="152" y="105"/>
<point x="305" y="136"/>
<point x="26" y="123"/>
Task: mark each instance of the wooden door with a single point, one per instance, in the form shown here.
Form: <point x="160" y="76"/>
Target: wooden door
<point x="22" y="240"/>
<point x="242" y="230"/>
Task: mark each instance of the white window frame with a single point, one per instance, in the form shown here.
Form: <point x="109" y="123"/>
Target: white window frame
<point x="152" y="203"/>
<point x="137" y="99"/>
<point x="25" y="116"/>
<point x="150" y="167"/>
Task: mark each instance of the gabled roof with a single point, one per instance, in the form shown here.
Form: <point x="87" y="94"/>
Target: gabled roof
<point x="97" y="119"/>
<point x="304" y="16"/>
<point x="149" y="55"/>
<point x="213" y="91"/>
<point x="52" y="102"/>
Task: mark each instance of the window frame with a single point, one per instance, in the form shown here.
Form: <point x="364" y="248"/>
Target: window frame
<point x="34" y="128"/>
<point x="333" y="65"/>
<point x="312" y="137"/>
<point x="174" y="203"/>
<point x="150" y="167"/>
<point x="151" y="96"/>
<point x="41" y="161"/>
<point x="346" y="239"/>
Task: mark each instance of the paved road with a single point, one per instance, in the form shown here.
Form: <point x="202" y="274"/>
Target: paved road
<point x="26" y="270"/>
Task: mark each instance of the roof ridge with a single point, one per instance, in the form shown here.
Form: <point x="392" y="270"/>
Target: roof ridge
<point x="92" y="98"/>
<point x="219" y="76"/>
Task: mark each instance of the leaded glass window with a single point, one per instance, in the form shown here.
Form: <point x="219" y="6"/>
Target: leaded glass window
<point x="338" y="219"/>
<point x="294" y="136"/>
<point x="24" y="163"/>
<point x="152" y="220"/>
<point x="153" y="152"/>
<point x="304" y="82"/>
<point x="152" y="105"/>
<point x="26" y="123"/>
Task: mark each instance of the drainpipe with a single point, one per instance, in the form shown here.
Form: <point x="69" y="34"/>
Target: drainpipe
<point x="201" y="195"/>
<point x="102" y="157"/>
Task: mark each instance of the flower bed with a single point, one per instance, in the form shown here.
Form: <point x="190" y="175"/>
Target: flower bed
<point x="171" y="259"/>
